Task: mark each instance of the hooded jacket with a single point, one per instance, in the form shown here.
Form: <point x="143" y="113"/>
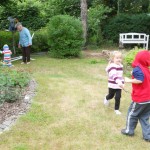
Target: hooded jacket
<point x="141" y="92"/>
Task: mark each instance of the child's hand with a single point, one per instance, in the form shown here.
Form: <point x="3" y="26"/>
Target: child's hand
<point x="126" y="79"/>
<point x="121" y="84"/>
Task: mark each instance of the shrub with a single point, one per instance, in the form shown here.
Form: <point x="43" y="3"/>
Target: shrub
<point x="65" y="36"/>
<point x="12" y="83"/>
<point x="40" y="40"/>
<point x="129" y="57"/>
<point x="6" y="37"/>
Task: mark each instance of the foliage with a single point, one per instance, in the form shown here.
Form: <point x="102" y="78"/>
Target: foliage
<point x="64" y="7"/>
<point x="133" y="6"/>
<point x="64" y="36"/>
<point x="12" y="83"/>
<point x="40" y="40"/>
<point x="125" y="6"/>
<point x="7" y="38"/>
<point x="96" y="15"/>
<point x="124" y="24"/>
<point x="5" y="2"/>
<point x="28" y="12"/>
<point x="130" y="55"/>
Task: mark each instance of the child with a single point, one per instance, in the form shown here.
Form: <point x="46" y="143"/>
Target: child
<point x="140" y="105"/>
<point x="7" y="56"/>
<point x="115" y="80"/>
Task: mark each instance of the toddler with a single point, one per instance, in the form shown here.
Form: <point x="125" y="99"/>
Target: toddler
<point x="7" y="56"/>
<point x="139" y="109"/>
<point x="115" y="80"/>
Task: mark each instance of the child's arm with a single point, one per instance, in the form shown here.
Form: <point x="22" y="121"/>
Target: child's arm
<point x="108" y="65"/>
<point x="135" y="81"/>
<point x="1" y="51"/>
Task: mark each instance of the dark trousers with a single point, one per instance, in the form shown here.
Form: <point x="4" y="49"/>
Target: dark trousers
<point x="26" y="54"/>
<point x="139" y="112"/>
<point x="117" y="94"/>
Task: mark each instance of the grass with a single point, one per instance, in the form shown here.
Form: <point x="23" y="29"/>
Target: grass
<point x="67" y="112"/>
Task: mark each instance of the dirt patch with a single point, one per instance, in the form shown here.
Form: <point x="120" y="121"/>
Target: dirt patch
<point x="91" y="54"/>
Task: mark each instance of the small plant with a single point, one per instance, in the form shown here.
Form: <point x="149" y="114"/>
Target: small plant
<point x="12" y="83"/>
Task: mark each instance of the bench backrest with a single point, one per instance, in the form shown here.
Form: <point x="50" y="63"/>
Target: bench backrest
<point x="129" y="38"/>
<point x="134" y="37"/>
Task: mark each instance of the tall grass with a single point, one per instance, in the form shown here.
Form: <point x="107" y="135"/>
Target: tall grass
<point x="67" y="112"/>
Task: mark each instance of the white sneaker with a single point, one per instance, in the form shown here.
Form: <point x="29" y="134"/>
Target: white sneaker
<point x="28" y="63"/>
<point x="106" y="102"/>
<point x="22" y="63"/>
<point x="117" y="112"/>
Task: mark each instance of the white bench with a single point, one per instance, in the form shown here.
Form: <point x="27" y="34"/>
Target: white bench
<point x="134" y="38"/>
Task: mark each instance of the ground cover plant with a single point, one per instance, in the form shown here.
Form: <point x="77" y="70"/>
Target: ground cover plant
<point x="67" y="112"/>
<point x="12" y="84"/>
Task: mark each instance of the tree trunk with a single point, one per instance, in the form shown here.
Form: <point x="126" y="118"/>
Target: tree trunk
<point x="84" y="21"/>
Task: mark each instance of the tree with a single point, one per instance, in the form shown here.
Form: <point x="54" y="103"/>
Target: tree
<point x="84" y="20"/>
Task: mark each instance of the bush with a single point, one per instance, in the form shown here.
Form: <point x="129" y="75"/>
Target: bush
<point x="6" y="37"/>
<point x="12" y="83"/>
<point x="40" y="41"/>
<point x="65" y="36"/>
<point x="129" y="57"/>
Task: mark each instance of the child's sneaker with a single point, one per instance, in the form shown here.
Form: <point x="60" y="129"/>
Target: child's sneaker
<point x="106" y="102"/>
<point x="117" y="112"/>
<point x="23" y="63"/>
<point x="28" y="63"/>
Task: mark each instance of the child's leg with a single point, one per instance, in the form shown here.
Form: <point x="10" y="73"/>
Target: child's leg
<point x="111" y="93"/>
<point x="132" y="119"/>
<point x="144" y="119"/>
<point x="5" y="62"/>
<point x="9" y="63"/>
<point x="117" y="99"/>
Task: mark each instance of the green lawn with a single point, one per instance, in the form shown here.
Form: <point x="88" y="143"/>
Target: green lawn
<point x="67" y="112"/>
